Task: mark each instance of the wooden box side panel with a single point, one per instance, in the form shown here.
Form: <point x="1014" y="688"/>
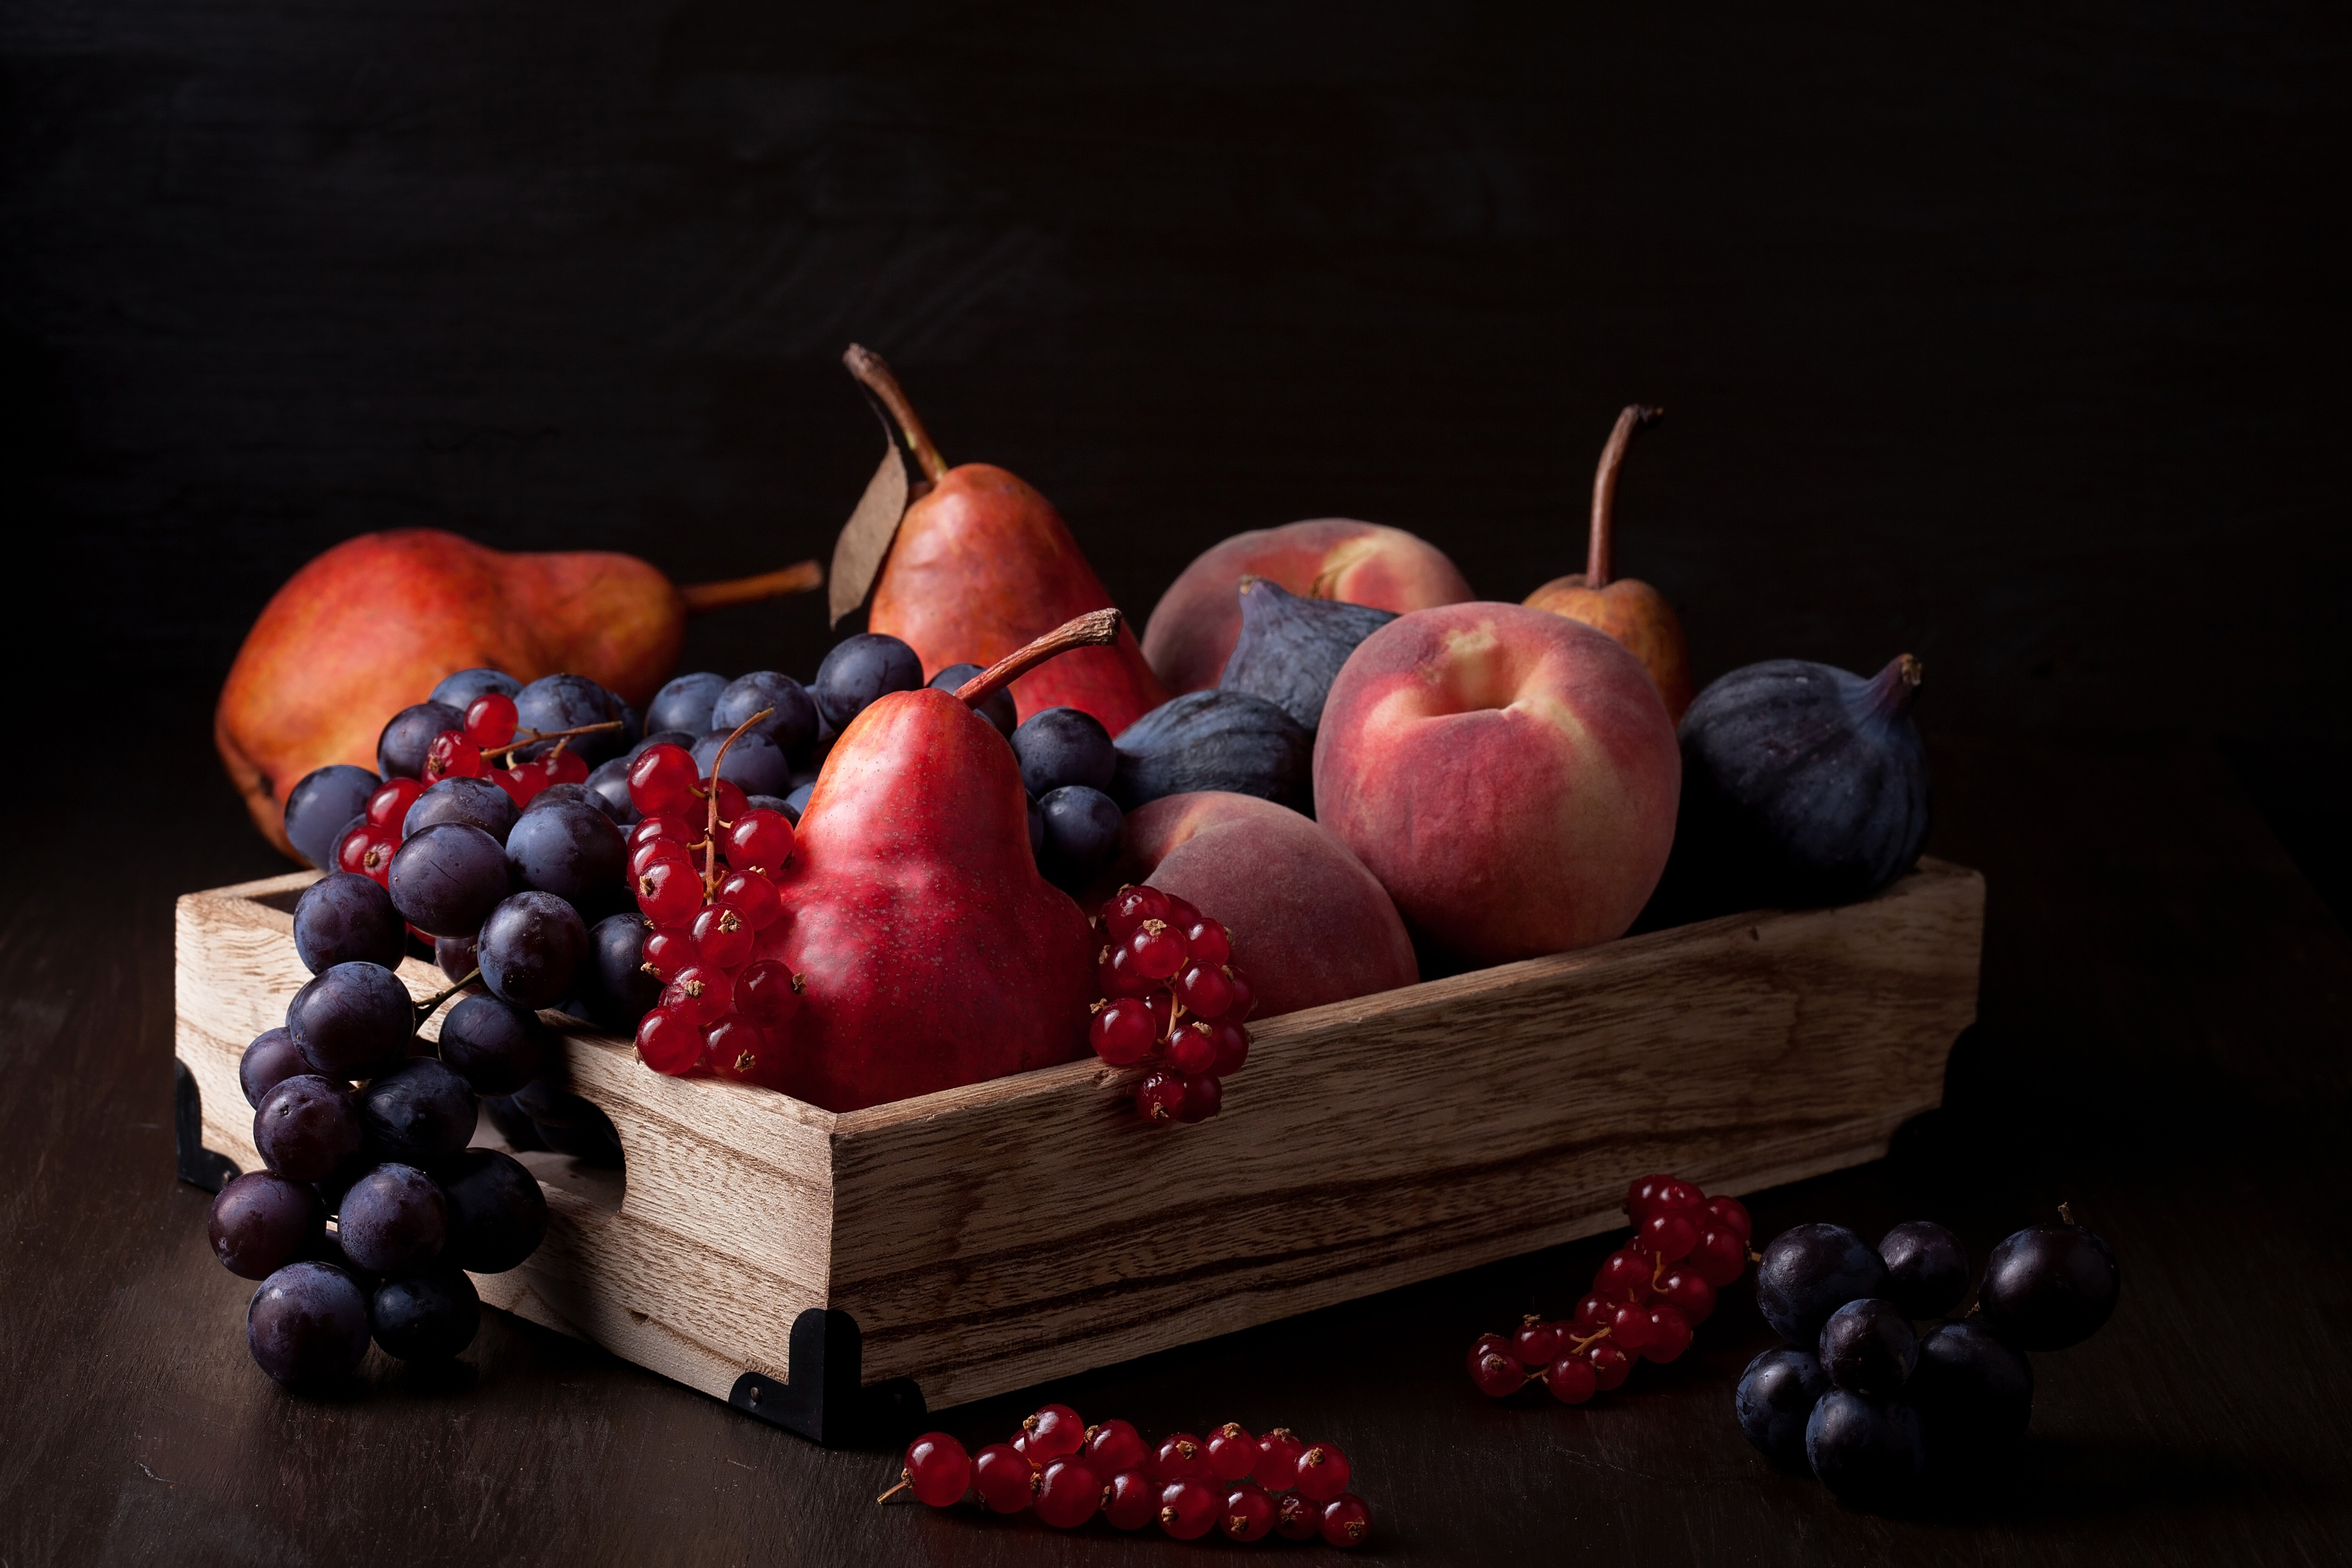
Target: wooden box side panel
<point x="1393" y="1138"/>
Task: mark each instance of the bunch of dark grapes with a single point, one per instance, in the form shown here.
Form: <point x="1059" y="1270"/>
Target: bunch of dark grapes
<point x="1171" y="996"/>
<point x="373" y="1209"/>
<point x="1866" y="1399"/>
<point x="1244" y="1487"/>
<point x="1648" y="1298"/>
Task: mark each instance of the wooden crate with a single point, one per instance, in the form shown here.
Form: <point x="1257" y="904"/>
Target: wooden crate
<point x="835" y="1273"/>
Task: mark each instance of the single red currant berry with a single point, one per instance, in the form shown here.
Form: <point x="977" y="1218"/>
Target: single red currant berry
<point x="564" y="766"/>
<point x="1204" y="989"/>
<point x="1245" y="999"/>
<point x="367" y="850"/>
<point x="704" y="995"/>
<point x="1208" y="942"/>
<point x="667" y="950"/>
<point x="1162" y="1008"/>
<point x="1721" y="1255"/>
<point x="1571" y="1380"/>
<point x="769" y="993"/>
<point x="1204" y="1096"/>
<point x="937" y="1470"/>
<point x="1159" y="949"/>
<point x="740" y="1051"/>
<point x="662" y="780"/>
<point x="1160" y="1098"/>
<point x="1121" y="1032"/>
<point x="722" y="936"/>
<point x="1188" y="1508"/>
<point x="1346" y="1522"/>
<point x="1669" y="1336"/>
<point x="1732" y="1214"/>
<point x="490" y="719"/>
<point x="733" y="802"/>
<point x="1296" y="1518"/>
<point x="1630" y="1327"/>
<point x="1068" y="1493"/>
<point x="1180" y="1457"/>
<point x="1668" y="1234"/>
<point x="1322" y="1473"/>
<point x="1050" y="1432"/>
<point x="1610" y="1364"/>
<point x="1688" y="1292"/>
<point x="1181" y="915"/>
<point x="1624" y="1273"/>
<point x="1278" y="1459"/>
<point x="1192" y="1047"/>
<point x="668" y="1043"/>
<point x="1004" y="1480"/>
<point x="653" y="850"/>
<point x="1121" y="976"/>
<point x="1233" y="1048"/>
<point x="1114" y="1447"/>
<point x="669" y="893"/>
<point x="388" y="807"/>
<point x="1129" y="907"/>
<point x="521" y="784"/>
<point x="761" y="838"/>
<point x="1642" y="1198"/>
<point x="1537" y="1343"/>
<point x="1593" y="1313"/>
<point x="679" y="829"/>
<point x="755" y="896"/>
<point x="1249" y="1513"/>
<point x="1494" y="1369"/>
<point x="1675" y="1195"/>
<point x="452" y="756"/>
<point x="1232" y="1455"/>
<point x="1131" y="1500"/>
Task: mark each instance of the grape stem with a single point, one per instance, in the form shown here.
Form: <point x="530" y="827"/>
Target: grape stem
<point x="533" y="737"/>
<point x="711" y="824"/>
<point x="425" y="1009"/>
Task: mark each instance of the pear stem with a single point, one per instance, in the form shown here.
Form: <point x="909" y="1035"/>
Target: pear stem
<point x="798" y="577"/>
<point x="710" y="821"/>
<point x="1598" y="550"/>
<point x="875" y="377"/>
<point x="1095" y="628"/>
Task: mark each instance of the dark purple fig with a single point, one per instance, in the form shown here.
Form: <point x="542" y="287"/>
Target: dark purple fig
<point x="1290" y="649"/>
<point x="1216" y="740"/>
<point x="1801" y="785"/>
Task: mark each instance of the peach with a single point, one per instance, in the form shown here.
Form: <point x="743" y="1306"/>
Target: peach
<point x="1309" y="923"/>
<point x="1510" y="776"/>
<point x="1191" y="629"/>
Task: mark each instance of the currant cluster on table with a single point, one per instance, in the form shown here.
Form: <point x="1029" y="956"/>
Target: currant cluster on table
<point x="1172" y="998"/>
<point x="1868" y="1400"/>
<point x="1245" y="1487"/>
<point x="1647" y="1299"/>
<point x="372" y="1209"/>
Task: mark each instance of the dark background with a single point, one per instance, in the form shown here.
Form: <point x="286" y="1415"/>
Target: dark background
<point x="2015" y="340"/>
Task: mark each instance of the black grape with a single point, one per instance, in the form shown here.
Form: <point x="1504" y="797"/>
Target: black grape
<point x="400" y="749"/>
<point x="1926" y="1267"/>
<point x="797" y="802"/>
<point x="1037" y="827"/>
<point x="344" y="917"/>
<point x="477" y="802"/>
<point x="687" y="702"/>
<point x="425" y="1317"/>
<point x="322" y="805"/>
<point x="1776" y="1398"/>
<point x="1867" y="1452"/>
<point x="448" y="878"/>
<point x="1061" y="746"/>
<point x="1868" y="1348"/>
<point x="2049" y="1287"/>
<point x="775" y="803"/>
<point x="791" y="728"/>
<point x="392" y="1220"/>
<point x="613" y="984"/>
<point x="532" y="946"/>
<point x="453" y="956"/>
<point x="1808" y="1272"/>
<point x="607" y="788"/>
<point x="572" y="850"/>
<point x="420" y="1111"/>
<point x="997" y="710"/>
<point x="269" y="1061"/>
<point x="752" y="763"/>
<point x="307" y="1127"/>
<point x="307" y="1321"/>
<point x="263" y="1222"/>
<point x="459" y="690"/>
<point x="859" y="670"/>
<point x="353" y="1020"/>
<point x="518" y="1129"/>
<point x="554" y="703"/>
<point x="1974" y="1393"/>
<point x="1084" y="831"/>
<point x="570" y="1124"/>
<point x="497" y="1215"/>
<point x="496" y="1046"/>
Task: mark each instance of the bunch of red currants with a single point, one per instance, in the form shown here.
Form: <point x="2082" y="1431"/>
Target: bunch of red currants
<point x="1246" y="1487"/>
<point x="1647" y="1298"/>
<point x="1171" y="996"/>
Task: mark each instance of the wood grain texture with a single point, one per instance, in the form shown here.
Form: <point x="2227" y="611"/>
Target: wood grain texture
<point x="1367" y="1144"/>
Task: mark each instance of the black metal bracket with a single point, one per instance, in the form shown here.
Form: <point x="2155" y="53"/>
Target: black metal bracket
<point x="199" y="1166"/>
<point x="826" y="1400"/>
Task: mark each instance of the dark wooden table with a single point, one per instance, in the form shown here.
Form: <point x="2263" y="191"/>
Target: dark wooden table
<point x="2017" y="342"/>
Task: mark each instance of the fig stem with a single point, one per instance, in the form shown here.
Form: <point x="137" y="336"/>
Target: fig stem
<point x="711" y="820"/>
<point x="1095" y="628"/>
<point x="1890" y="691"/>
<point x="1600" y="550"/>
<point x="798" y="577"/>
<point x="875" y="376"/>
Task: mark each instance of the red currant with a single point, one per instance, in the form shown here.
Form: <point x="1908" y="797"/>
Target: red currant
<point x="1204" y="1096"/>
<point x="521" y="784"/>
<point x="367" y="850"/>
<point x="1493" y="1368"/>
<point x="1181" y="915"/>
<point x="732" y="801"/>
<point x="1669" y="1336"/>
<point x="491" y="720"/>
<point x="1233" y="1453"/>
<point x="1571" y="1380"/>
<point x="1346" y="1522"/>
<point x="1068" y="1493"/>
<point x="1245" y="999"/>
<point x="1180" y="1457"/>
<point x="452" y="756"/>
<point x="662" y="780"/>
<point x="1278" y="1459"/>
<point x="564" y="766"/>
<point x="1121" y="1032"/>
<point x="769" y="993"/>
<point x="740" y="1051"/>
<point x="1249" y="1513"/>
<point x="1161" y="1097"/>
<point x="1322" y="1472"/>
<point x="1004" y="1480"/>
<point x="1732" y="1214"/>
<point x="1593" y="1313"/>
<point x="1296" y="1518"/>
<point x="667" y="1041"/>
<point x="1050" y="1432"/>
<point x="388" y="807"/>
<point x="1188" y="1508"/>
<point x="653" y="850"/>
<point x="1668" y="1234"/>
<point x="669" y="893"/>
<point x="1131" y="907"/>
<point x="667" y="950"/>
<point x="702" y="994"/>
<point x="1204" y="989"/>
<point x="681" y="829"/>
<point x="1157" y="948"/>
<point x="1115" y="1446"/>
<point x="1232" y="1048"/>
<point x="937" y="1470"/>
<point x="1192" y="1047"/>
<point x="761" y="840"/>
<point x="1721" y="1255"/>
<point x="1208" y="942"/>
<point x="722" y="936"/>
<point x="1631" y="1327"/>
<point x="1117" y="972"/>
<point x="1610" y="1364"/>
<point x="754" y="895"/>
<point x="1624" y="1275"/>
<point x="1538" y="1343"/>
<point x="1641" y="1196"/>
<point x="1132" y="1500"/>
<point x="1688" y="1292"/>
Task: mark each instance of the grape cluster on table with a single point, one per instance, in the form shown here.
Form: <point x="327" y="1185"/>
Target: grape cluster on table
<point x="1865" y="1398"/>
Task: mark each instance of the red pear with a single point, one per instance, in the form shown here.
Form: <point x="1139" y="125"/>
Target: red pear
<point x="932" y="953"/>
<point x="982" y="565"/>
<point x="371" y="626"/>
